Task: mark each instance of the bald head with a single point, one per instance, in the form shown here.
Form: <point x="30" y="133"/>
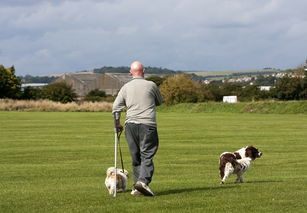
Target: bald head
<point x="137" y="69"/>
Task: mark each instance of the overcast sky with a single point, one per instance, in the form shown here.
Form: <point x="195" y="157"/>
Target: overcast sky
<point x="53" y="36"/>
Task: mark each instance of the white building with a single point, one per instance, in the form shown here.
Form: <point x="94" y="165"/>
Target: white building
<point x="230" y="99"/>
<point x="265" y="88"/>
<point x="34" y="85"/>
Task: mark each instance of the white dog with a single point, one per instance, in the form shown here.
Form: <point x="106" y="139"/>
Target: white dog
<point x="121" y="180"/>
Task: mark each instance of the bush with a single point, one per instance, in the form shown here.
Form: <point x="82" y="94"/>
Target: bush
<point x="60" y="92"/>
<point x="289" y="88"/>
<point x="251" y="93"/>
<point x="180" y="89"/>
<point x="10" y="85"/>
<point x="158" y="80"/>
<point x="95" y="95"/>
<point x="30" y="93"/>
<point x="214" y="92"/>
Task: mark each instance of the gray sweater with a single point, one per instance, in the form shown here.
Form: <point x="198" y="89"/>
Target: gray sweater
<point x="141" y="98"/>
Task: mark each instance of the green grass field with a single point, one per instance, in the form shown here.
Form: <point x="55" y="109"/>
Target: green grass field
<point x="56" y="162"/>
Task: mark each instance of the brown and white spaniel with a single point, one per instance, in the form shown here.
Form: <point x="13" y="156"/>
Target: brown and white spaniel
<point x="237" y="162"/>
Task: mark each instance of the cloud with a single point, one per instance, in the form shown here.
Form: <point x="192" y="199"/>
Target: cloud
<point x="45" y="37"/>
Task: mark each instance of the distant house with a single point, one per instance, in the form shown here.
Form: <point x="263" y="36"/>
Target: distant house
<point x="230" y="99"/>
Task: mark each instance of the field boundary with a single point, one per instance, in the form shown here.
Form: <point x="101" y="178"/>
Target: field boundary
<point x="263" y="107"/>
<point x="269" y="107"/>
<point x="51" y="106"/>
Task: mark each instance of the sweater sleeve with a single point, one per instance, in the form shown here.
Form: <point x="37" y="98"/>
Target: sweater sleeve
<point x="119" y="103"/>
<point x="158" y="96"/>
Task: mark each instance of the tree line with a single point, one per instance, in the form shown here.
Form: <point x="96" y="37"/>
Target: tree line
<point x="176" y="88"/>
<point x="182" y="88"/>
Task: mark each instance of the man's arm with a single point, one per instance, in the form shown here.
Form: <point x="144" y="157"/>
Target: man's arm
<point x="118" y="105"/>
<point x="158" y="96"/>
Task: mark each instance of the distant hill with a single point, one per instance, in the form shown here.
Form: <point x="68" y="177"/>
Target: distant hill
<point x="149" y="70"/>
<point x="37" y="79"/>
<point x="102" y="70"/>
<point x="196" y="75"/>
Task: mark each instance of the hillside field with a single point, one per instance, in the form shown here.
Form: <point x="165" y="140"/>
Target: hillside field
<point x="56" y="162"/>
<point x="231" y="72"/>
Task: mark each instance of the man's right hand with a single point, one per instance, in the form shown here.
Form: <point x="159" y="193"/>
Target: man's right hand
<point x="118" y="127"/>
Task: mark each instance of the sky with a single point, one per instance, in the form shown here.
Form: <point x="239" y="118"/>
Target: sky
<point x="42" y="37"/>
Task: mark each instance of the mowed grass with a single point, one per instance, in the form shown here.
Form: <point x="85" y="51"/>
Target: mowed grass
<point x="56" y="162"/>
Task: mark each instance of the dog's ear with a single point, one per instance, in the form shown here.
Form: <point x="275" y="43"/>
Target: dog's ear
<point x="110" y="171"/>
<point x="249" y="152"/>
<point x="110" y="174"/>
<point x="252" y="152"/>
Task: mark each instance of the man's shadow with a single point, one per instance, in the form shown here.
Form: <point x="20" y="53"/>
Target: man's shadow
<point x="185" y="190"/>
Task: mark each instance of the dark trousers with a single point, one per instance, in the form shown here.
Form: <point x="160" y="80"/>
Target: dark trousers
<point x="143" y="144"/>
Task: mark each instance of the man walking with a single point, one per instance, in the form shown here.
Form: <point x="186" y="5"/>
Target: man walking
<point x="140" y="97"/>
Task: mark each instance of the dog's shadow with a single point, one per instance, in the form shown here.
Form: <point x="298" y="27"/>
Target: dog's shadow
<point x="185" y="190"/>
<point x="220" y="187"/>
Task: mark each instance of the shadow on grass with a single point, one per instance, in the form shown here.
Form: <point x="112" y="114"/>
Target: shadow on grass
<point x="264" y="181"/>
<point x="178" y="191"/>
<point x="221" y="187"/>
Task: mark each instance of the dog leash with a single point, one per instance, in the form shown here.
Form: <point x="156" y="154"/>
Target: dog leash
<point x="120" y="151"/>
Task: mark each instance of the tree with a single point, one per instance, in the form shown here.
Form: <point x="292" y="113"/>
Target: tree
<point x="214" y="92"/>
<point x="181" y="88"/>
<point x="60" y="92"/>
<point x="301" y="71"/>
<point x="37" y="79"/>
<point x="95" y="95"/>
<point x="10" y="85"/>
<point x="158" y="80"/>
<point x="289" y="88"/>
<point x="303" y="93"/>
<point x="251" y="93"/>
<point x="231" y="89"/>
<point x="30" y="93"/>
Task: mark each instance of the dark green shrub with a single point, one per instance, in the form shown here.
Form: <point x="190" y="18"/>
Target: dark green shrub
<point x="60" y="92"/>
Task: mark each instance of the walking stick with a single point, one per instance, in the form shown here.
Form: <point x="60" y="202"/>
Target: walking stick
<point x="116" y="116"/>
<point x="115" y="162"/>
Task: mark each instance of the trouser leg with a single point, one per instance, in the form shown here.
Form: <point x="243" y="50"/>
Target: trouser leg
<point x="148" y="146"/>
<point x="143" y="144"/>
<point x="133" y="144"/>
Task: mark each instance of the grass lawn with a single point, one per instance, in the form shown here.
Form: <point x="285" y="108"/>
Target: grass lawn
<point x="56" y="162"/>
